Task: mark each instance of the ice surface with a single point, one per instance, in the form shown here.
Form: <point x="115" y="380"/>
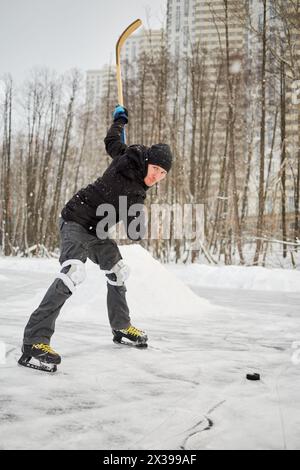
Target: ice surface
<point x="188" y="390"/>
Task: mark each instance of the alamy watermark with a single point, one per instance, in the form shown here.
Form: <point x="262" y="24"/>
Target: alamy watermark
<point x="160" y="222"/>
<point x="296" y="92"/>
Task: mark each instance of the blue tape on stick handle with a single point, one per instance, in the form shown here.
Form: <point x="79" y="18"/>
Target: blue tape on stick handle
<point x="123" y="137"/>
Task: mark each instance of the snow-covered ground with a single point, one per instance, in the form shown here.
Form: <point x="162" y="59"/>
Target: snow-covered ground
<point x="187" y="390"/>
<point x="238" y="277"/>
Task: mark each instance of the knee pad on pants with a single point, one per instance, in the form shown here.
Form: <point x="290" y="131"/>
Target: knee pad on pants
<point x="75" y="275"/>
<point x="118" y="274"/>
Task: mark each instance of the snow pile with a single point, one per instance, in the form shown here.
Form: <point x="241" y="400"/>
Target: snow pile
<point x="150" y="292"/>
<point x="238" y="277"/>
<point x="150" y="289"/>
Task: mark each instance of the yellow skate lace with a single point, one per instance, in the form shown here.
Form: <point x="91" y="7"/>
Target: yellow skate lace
<point x="45" y="348"/>
<point x="134" y="331"/>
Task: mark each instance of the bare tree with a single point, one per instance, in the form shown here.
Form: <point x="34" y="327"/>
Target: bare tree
<point x="63" y="154"/>
<point x="6" y="173"/>
<point x="261" y="191"/>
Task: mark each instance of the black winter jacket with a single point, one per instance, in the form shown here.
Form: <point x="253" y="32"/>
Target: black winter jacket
<point x="124" y="177"/>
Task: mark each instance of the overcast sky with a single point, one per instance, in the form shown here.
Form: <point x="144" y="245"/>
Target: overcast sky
<point x="62" y="34"/>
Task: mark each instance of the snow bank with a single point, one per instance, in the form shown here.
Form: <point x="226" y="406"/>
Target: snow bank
<point x="35" y="265"/>
<point x="238" y="277"/>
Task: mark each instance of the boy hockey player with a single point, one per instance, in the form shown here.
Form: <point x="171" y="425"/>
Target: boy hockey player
<point x="134" y="169"/>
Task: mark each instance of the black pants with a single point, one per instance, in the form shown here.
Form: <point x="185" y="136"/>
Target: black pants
<point x="78" y="244"/>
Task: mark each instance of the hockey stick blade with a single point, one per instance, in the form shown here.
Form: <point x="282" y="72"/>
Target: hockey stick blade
<point x="126" y="33"/>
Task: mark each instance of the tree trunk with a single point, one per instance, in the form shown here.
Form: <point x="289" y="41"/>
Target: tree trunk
<point x="261" y="206"/>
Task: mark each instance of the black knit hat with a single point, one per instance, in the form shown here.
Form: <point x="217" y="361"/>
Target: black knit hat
<point x="160" y="154"/>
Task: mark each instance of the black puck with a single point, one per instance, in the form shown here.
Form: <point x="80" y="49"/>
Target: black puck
<point x="253" y="376"/>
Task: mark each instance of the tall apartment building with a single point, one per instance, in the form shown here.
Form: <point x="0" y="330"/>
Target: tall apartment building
<point x="147" y="41"/>
<point x="180" y="26"/>
<point x="99" y="83"/>
<point x="201" y="21"/>
<point x="292" y="84"/>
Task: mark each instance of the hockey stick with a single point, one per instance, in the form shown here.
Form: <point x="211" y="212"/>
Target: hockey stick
<point x="128" y="31"/>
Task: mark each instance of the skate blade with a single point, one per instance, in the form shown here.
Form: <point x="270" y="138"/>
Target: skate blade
<point x="123" y="342"/>
<point x="41" y="366"/>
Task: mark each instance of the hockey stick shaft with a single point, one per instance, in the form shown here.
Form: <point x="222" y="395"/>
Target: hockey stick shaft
<point x="128" y="31"/>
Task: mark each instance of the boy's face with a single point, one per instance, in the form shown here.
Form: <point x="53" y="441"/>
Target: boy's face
<point x="155" y="175"/>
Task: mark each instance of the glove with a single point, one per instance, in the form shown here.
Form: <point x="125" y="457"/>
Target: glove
<point x="120" y="112"/>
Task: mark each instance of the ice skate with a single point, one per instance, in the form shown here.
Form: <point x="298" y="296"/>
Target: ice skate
<point x="130" y="336"/>
<point x="40" y="357"/>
